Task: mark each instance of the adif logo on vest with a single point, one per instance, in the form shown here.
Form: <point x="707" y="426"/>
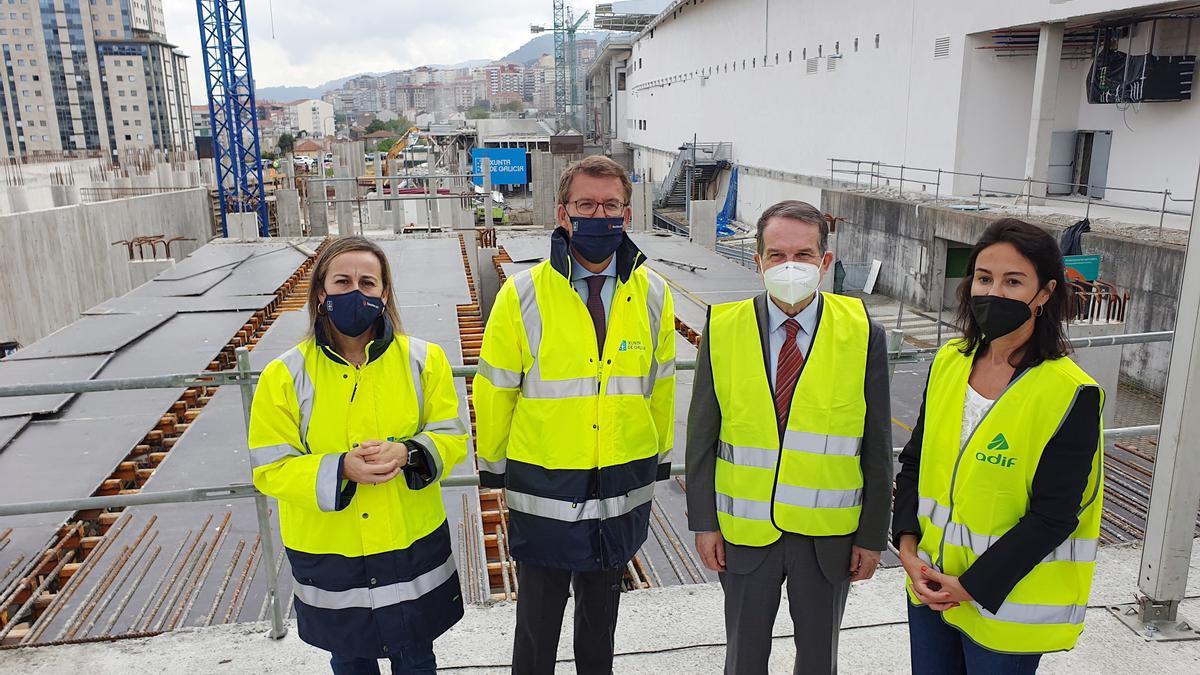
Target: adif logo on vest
<point x="631" y="346"/>
<point x="998" y="445"/>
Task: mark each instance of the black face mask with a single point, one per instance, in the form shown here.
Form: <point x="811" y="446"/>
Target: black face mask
<point x="597" y="238"/>
<point x="353" y="313"/>
<point x="998" y="316"/>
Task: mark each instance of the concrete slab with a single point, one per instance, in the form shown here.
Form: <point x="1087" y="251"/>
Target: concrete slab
<point x="10" y="427"/>
<point x="671" y="630"/>
<point x="211" y="257"/>
<point x="427" y="270"/>
<point x="91" y="335"/>
<point x="262" y="273"/>
<point x="525" y="248"/>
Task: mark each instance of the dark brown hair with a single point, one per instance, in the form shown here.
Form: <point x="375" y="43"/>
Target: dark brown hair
<point x="1049" y="340"/>
<point x="796" y="210"/>
<point x="596" y="166"/>
<point x="335" y="248"/>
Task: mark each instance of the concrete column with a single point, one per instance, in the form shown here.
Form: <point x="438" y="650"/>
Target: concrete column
<point x="344" y="192"/>
<point x="18" y="199"/>
<point x="318" y="212"/>
<point x="642" y="205"/>
<point x="287" y="212"/>
<point x="1102" y="363"/>
<point x="243" y="226"/>
<point x="374" y="213"/>
<point x="64" y="195"/>
<point x="164" y="175"/>
<point x="703" y="224"/>
<point x="399" y="219"/>
<point x="1045" y="95"/>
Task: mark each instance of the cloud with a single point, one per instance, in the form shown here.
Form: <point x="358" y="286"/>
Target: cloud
<point x="316" y="41"/>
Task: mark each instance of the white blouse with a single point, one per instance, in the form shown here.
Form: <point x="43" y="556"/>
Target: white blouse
<point x="974" y="410"/>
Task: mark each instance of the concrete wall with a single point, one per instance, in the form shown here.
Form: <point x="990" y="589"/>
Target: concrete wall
<point x="899" y="233"/>
<point x="56" y="263"/>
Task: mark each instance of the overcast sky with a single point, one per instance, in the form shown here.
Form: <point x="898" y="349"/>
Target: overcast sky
<point x="319" y="40"/>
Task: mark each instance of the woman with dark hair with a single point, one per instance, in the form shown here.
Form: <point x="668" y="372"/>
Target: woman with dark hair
<point x="998" y="500"/>
<point x="352" y="431"/>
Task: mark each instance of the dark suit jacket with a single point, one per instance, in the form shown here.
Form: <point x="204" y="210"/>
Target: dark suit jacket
<point x="703" y="434"/>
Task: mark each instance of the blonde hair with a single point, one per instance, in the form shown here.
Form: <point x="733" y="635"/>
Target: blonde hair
<point x="596" y="166"/>
<point x="321" y="270"/>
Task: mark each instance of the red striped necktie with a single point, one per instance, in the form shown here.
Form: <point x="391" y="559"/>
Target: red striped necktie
<point x="787" y="372"/>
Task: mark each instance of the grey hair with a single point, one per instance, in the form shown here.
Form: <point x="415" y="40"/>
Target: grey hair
<point x="796" y="210"/>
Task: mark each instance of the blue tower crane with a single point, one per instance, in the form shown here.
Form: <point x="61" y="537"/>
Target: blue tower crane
<point x="229" y="79"/>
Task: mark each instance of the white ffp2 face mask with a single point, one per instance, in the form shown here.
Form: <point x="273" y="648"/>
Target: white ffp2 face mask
<point x="792" y="282"/>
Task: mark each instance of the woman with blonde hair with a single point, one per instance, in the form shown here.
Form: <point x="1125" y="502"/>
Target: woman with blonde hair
<point x="352" y="431"/>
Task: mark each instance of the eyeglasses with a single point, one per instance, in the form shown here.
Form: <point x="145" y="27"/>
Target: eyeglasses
<point x="588" y="207"/>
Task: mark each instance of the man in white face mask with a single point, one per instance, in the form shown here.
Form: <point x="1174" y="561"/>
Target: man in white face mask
<point x="789" y="459"/>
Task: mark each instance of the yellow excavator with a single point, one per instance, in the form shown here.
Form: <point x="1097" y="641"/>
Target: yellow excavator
<point x="398" y="149"/>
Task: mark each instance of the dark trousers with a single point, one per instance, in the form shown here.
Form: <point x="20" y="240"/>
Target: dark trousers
<point x="541" y="601"/>
<point x="416" y="661"/>
<point x="752" y="600"/>
<point x="941" y="649"/>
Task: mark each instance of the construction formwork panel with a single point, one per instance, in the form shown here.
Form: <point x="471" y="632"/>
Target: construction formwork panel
<point x="45" y="370"/>
<point x="180" y="304"/>
<point x="91" y="335"/>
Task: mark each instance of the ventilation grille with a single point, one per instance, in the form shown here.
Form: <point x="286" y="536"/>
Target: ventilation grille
<point x="941" y="47"/>
<point x="831" y="63"/>
<point x="811" y="66"/>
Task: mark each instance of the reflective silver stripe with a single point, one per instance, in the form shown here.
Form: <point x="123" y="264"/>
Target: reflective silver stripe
<point x="665" y="370"/>
<point x="1071" y="550"/>
<point x="293" y="359"/>
<point x="937" y="513"/>
<point x="531" y="316"/>
<point x="626" y="385"/>
<point x="535" y="387"/>
<point x="743" y="508"/>
<point x="380" y="596"/>
<point x="417" y="351"/>
<point x="431" y="449"/>
<point x="496" y="467"/>
<point x="656" y="297"/>
<point x="270" y="454"/>
<point x="328" y="481"/>
<point x="592" y="509"/>
<point x="821" y="444"/>
<point x="1015" y="612"/>
<point x="794" y="495"/>
<point x="747" y="456"/>
<point x="925" y="558"/>
<point x="499" y="377"/>
<point x="453" y="426"/>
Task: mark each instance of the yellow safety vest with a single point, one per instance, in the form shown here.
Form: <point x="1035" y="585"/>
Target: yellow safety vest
<point x="971" y="495"/>
<point x="576" y="435"/>
<point x="372" y="564"/>
<point x="810" y="481"/>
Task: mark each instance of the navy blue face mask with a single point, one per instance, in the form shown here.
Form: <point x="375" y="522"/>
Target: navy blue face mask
<point x="596" y="238"/>
<point x="353" y="313"/>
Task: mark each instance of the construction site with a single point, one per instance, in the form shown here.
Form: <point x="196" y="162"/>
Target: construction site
<point x="143" y="295"/>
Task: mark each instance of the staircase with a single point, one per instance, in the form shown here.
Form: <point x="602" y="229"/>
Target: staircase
<point x="710" y="159"/>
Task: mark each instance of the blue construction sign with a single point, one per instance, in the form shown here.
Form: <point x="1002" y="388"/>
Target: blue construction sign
<point x="508" y="165"/>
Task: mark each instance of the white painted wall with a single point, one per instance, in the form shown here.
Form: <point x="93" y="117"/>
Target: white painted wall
<point x="896" y="103"/>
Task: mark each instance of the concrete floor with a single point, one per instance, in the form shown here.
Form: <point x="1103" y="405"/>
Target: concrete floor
<point x="671" y="630"/>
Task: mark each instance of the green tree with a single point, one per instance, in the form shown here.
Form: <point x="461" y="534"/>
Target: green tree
<point x="286" y="143"/>
<point x="512" y="106"/>
<point x="385" y="145"/>
<point x="478" y="114"/>
<point x="399" y="125"/>
<point x="377" y="125"/>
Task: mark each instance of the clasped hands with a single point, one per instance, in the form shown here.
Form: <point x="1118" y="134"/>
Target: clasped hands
<point x="375" y="461"/>
<point x="935" y="590"/>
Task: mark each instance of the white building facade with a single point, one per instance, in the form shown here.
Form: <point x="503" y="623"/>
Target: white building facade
<point x="312" y="116"/>
<point x="998" y="88"/>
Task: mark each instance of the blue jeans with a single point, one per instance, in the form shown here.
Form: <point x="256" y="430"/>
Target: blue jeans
<point x="941" y="649"/>
<point x="415" y="661"/>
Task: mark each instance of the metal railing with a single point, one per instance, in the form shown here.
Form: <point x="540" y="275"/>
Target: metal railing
<point x="245" y="379"/>
<point x="874" y="174"/>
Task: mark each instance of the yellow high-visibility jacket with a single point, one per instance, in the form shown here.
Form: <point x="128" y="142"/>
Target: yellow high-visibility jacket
<point x="577" y="432"/>
<point x="972" y="494"/>
<point x="372" y="564"/>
